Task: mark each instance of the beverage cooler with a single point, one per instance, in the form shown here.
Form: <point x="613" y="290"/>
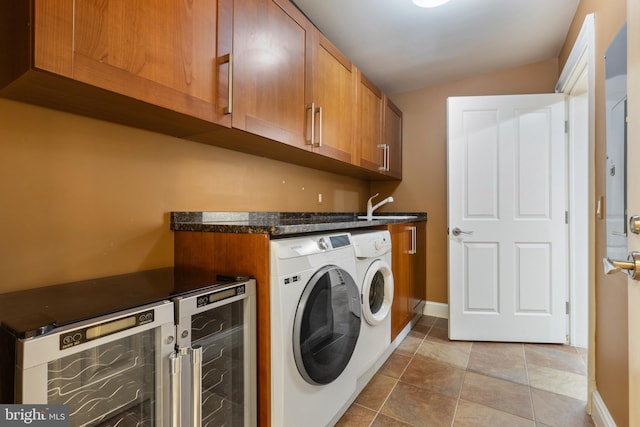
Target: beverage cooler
<point x="186" y="357"/>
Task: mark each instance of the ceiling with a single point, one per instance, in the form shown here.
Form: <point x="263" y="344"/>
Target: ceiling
<point x="401" y="47"/>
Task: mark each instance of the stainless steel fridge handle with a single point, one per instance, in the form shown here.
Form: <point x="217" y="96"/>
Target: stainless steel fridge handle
<point x="174" y="366"/>
<point x="196" y="384"/>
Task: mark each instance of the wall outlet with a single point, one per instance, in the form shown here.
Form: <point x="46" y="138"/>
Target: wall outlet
<point x="319" y="198"/>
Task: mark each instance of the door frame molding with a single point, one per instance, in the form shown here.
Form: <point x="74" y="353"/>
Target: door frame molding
<point x="581" y="59"/>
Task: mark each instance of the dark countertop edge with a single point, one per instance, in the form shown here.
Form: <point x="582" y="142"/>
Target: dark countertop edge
<point x="274" y="223"/>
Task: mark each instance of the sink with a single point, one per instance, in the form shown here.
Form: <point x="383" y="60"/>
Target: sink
<point x="379" y="217"/>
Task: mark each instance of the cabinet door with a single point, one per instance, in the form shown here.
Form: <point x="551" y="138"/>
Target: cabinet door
<point x="392" y="145"/>
<point x="370" y="110"/>
<point x="409" y="273"/>
<point x="402" y="277"/>
<point x="271" y="41"/>
<point x="158" y="51"/>
<point x="334" y="80"/>
<point x="419" y="267"/>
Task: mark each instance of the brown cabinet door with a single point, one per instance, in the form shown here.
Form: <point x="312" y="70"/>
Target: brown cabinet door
<point x="270" y="63"/>
<point x="392" y="147"/>
<point x="334" y="79"/>
<point x="402" y="277"/>
<point x="369" y="133"/>
<point x="409" y="273"/>
<point x="162" y="52"/>
<point x="419" y="267"/>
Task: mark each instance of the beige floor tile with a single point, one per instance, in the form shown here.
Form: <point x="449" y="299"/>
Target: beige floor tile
<point x="357" y="416"/>
<point x="410" y="344"/>
<point x="559" y="411"/>
<point x="560" y="357"/>
<point x="395" y="365"/>
<point x="559" y="382"/>
<point x="384" y="421"/>
<point x="471" y="414"/>
<point x="495" y="393"/>
<point x="480" y="383"/>
<point x="434" y="375"/>
<point x="420" y="407"/>
<point x="427" y="320"/>
<point x="376" y="392"/>
<point x="500" y="360"/>
<point x="453" y="352"/>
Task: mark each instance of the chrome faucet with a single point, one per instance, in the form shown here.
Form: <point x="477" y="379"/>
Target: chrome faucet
<point x="370" y="208"/>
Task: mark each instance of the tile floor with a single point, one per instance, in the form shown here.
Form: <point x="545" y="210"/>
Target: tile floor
<point x="431" y="381"/>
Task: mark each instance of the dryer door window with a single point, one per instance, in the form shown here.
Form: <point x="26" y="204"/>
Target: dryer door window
<point x="327" y="325"/>
<point x="377" y="292"/>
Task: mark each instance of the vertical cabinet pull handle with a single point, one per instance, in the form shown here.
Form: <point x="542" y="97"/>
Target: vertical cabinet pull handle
<point x="312" y="108"/>
<point x="174" y="366"/>
<point x="226" y="59"/>
<point x="312" y="141"/>
<point x="385" y="157"/>
<point x="388" y="164"/>
<point x="196" y="381"/>
<point x="414" y="246"/>
<point x="319" y="144"/>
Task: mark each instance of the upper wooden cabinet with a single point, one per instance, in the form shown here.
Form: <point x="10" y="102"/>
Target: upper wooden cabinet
<point x="235" y="73"/>
<point x="334" y="91"/>
<point x="370" y="109"/>
<point x="392" y="140"/>
<point x="270" y="61"/>
<point x="290" y="84"/>
<point x="119" y="59"/>
<point x="161" y="52"/>
<point x="379" y="133"/>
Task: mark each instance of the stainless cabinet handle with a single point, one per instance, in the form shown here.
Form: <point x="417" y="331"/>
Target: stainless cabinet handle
<point x="319" y="144"/>
<point x="414" y="244"/>
<point x="388" y="165"/>
<point x="631" y="266"/>
<point x="174" y="366"/>
<point x="226" y="59"/>
<point x="385" y="157"/>
<point x="312" y="107"/>
<point x="456" y="232"/>
<point x="196" y="381"/>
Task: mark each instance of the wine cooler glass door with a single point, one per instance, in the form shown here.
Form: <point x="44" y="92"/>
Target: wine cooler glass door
<point x="109" y="372"/>
<point x="220" y="338"/>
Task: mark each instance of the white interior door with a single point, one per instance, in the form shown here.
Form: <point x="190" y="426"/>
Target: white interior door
<point x="507" y="196"/>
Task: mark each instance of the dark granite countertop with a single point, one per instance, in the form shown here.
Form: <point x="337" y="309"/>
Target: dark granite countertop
<point x="283" y="223"/>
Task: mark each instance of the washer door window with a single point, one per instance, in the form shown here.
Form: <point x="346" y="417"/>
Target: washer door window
<point x="327" y="325"/>
<point x="377" y="292"/>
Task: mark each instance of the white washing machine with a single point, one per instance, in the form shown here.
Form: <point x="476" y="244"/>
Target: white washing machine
<point x="315" y="326"/>
<point x="375" y="278"/>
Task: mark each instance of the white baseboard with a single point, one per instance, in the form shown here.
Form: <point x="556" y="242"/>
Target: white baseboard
<point x="436" y="309"/>
<point x="599" y="412"/>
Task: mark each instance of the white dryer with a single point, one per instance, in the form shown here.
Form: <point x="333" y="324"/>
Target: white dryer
<point x="315" y="326"/>
<point x="375" y="278"/>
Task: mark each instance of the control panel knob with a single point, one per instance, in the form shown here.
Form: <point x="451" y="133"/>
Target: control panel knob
<point x="323" y="244"/>
<point x="378" y="245"/>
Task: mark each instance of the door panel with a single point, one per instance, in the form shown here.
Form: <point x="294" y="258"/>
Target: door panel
<point x="507" y="197"/>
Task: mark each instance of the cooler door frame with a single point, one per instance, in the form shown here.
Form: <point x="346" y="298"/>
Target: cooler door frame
<point x="187" y="306"/>
<point x="34" y="355"/>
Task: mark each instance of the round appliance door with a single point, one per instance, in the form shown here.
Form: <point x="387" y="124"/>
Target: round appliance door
<point x="377" y="292"/>
<point x="326" y="325"/>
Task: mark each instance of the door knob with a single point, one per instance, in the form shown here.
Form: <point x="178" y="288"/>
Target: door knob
<point x="634" y="224"/>
<point x="631" y="266"/>
<point x="456" y="232"/>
